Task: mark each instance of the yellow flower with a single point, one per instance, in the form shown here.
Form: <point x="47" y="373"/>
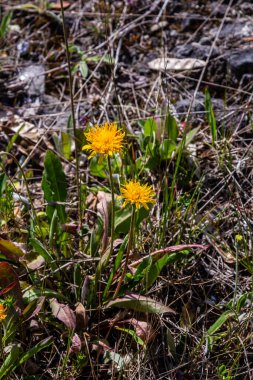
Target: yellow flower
<point x="136" y="194"/>
<point x="106" y="140"/>
<point x="2" y="310"/>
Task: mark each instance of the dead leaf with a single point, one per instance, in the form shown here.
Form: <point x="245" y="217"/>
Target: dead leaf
<point x="226" y="255"/>
<point x="36" y="263"/>
<point x="57" y="6"/>
<point x="81" y="317"/>
<point x="176" y="64"/>
<point x="63" y="313"/>
<point x="187" y="316"/>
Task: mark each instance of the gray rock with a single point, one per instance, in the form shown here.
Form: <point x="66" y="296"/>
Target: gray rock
<point x="235" y="29"/>
<point x="33" y="78"/>
<point x="241" y="62"/>
<point x="29" y="82"/>
<point x="198" y="106"/>
<point x="191" y="22"/>
<point x="194" y="50"/>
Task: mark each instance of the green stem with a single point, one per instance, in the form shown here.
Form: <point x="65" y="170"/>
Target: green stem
<point x="78" y="181"/>
<point x="236" y="274"/>
<point x="129" y="247"/>
<point x="113" y="208"/>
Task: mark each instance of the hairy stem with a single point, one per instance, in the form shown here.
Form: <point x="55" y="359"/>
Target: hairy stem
<point x="113" y="207"/>
<point x="78" y="182"/>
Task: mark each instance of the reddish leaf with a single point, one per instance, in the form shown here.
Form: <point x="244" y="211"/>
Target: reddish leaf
<point x="76" y="345"/>
<point x="104" y="200"/>
<point x="57" y="6"/>
<point x="70" y="228"/>
<point x="37" y="305"/>
<point x="63" y="313"/>
<point x="157" y="254"/>
<point x="9" y="282"/>
<point x="100" y="346"/>
<point x="8" y="278"/>
<point x="10" y="250"/>
<point x="142" y="329"/>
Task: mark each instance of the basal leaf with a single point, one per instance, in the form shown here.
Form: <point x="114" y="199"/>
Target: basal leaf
<point x="54" y="186"/>
<point x="63" y="313"/>
<point x="220" y="322"/>
<point x="84" y="69"/>
<point x="171" y="128"/>
<point x="10" y="361"/>
<point x="140" y="304"/>
<point x="39" y="248"/>
<point x="123" y="218"/>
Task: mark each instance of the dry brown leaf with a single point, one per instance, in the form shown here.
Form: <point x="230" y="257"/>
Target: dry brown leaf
<point x="81" y="317"/>
<point x="226" y="255"/>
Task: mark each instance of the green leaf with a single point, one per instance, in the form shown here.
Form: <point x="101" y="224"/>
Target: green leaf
<point x="220" y="322"/>
<point x="140" y="303"/>
<point x="32" y="294"/>
<point x="3" y="180"/>
<point x="54" y="186"/>
<point x="156" y="267"/>
<point x="96" y="237"/>
<point x="106" y="58"/>
<point x="84" y="69"/>
<point x="53" y="228"/>
<point x="190" y="135"/>
<point x="66" y="145"/>
<point x="123" y="218"/>
<point x="133" y="334"/>
<point x="5" y="22"/>
<point x="40" y="249"/>
<point x="166" y="149"/>
<point x="98" y="169"/>
<point x="171" y="128"/>
<point x="210" y="116"/>
<point x="33" y="351"/>
<point x="10" y="361"/>
<point x="116" y="266"/>
<point x="149" y="127"/>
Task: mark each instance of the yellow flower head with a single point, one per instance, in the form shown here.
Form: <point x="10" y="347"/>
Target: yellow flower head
<point x="136" y="194"/>
<point x="106" y="140"/>
<point x="2" y="311"/>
